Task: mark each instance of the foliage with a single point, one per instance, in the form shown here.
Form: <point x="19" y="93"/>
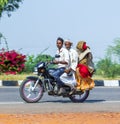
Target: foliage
<point x="9" y="6"/>
<point x="2" y="5"/>
<point x="114" y="51"/>
<point x="11" y="62"/>
<point x="32" y="61"/>
<point x="43" y="58"/>
<point x="110" y="65"/>
<point x="29" y="64"/>
<point x="107" y="68"/>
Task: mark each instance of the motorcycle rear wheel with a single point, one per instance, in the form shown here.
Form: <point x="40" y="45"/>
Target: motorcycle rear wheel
<point x="28" y="94"/>
<point x="80" y="97"/>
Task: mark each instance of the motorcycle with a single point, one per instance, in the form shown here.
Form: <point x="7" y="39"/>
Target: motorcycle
<point x="33" y="87"/>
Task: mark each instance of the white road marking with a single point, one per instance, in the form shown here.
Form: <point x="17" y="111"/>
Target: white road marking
<point x="11" y="103"/>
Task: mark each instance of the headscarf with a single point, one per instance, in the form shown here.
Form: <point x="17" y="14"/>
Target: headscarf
<point x="81" y="45"/>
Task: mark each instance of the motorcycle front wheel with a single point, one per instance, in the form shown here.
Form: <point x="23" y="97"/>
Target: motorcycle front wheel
<point x="29" y="93"/>
<point x="80" y="96"/>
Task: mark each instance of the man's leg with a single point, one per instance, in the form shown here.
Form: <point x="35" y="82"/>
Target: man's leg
<point x="57" y="75"/>
<point x="69" y="81"/>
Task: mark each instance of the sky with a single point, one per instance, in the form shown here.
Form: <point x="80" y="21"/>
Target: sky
<point x="37" y="24"/>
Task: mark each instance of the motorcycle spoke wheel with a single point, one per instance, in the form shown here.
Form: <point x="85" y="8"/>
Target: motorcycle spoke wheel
<point x="81" y="97"/>
<point x="29" y="93"/>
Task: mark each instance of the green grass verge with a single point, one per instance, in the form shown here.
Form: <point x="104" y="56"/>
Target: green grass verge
<point x="14" y="77"/>
<point x="98" y="77"/>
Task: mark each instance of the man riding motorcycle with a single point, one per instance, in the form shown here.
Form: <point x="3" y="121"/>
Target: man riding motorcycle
<point x="62" y="63"/>
<point x="69" y="76"/>
<point x="32" y="88"/>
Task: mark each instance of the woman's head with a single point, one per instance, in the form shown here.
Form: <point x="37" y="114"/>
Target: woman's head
<point x="81" y="45"/>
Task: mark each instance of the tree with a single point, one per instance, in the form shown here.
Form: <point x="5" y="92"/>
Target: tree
<point x="2" y="5"/>
<point x="114" y="51"/>
<point x="11" y="61"/>
<point x="32" y="61"/>
<point x="9" y="6"/>
<point x="110" y="65"/>
<point x="107" y="68"/>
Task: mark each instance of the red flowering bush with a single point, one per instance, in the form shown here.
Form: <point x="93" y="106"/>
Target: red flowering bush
<point x="11" y="62"/>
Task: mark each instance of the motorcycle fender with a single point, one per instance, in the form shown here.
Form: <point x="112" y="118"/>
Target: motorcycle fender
<point x="32" y="78"/>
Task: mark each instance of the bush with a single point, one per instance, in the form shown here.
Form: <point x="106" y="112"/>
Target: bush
<point x="29" y="64"/>
<point x="11" y="62"/>
<point x="32" y="60"/>
<point x="107" y="68"/>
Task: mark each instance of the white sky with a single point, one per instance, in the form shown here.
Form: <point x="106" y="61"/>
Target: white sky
<point x="37" y="24"/>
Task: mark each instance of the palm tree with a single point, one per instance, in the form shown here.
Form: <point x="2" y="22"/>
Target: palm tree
<point x="9" y="6"/>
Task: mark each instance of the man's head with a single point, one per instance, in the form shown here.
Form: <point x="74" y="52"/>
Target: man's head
<point x="59" y="42"/>
<point x="68" y="44"/>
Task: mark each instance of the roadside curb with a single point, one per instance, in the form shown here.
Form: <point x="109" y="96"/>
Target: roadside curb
<point x="106" y="83"/>
<point x="10" y="82"/>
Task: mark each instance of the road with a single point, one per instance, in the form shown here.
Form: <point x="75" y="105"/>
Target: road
<point x="101" y="99"/>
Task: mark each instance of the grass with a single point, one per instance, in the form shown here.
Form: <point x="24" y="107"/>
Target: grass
<point x="97" y="77"/>
<point x="14" y="77"/>
<point x="23" y="76"/>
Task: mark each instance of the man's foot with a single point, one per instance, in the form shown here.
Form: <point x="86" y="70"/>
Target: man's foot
<point x="72" y="91"/>
<point x="51" y="92"/>
<point x="61" y="91"/>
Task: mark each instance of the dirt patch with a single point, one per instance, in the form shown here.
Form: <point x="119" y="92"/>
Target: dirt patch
<point x="61" y="118"/>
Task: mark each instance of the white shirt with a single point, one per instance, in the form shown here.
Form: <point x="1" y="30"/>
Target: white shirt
<point x="64" y="56"/>
<point x="73" y="59"/>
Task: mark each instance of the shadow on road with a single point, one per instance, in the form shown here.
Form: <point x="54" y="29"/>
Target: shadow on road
<point x="94" y="101"/>
<point x="68" y="101"/>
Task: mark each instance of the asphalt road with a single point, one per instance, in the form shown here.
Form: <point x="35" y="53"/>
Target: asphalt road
<point x="101" y="99"/>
